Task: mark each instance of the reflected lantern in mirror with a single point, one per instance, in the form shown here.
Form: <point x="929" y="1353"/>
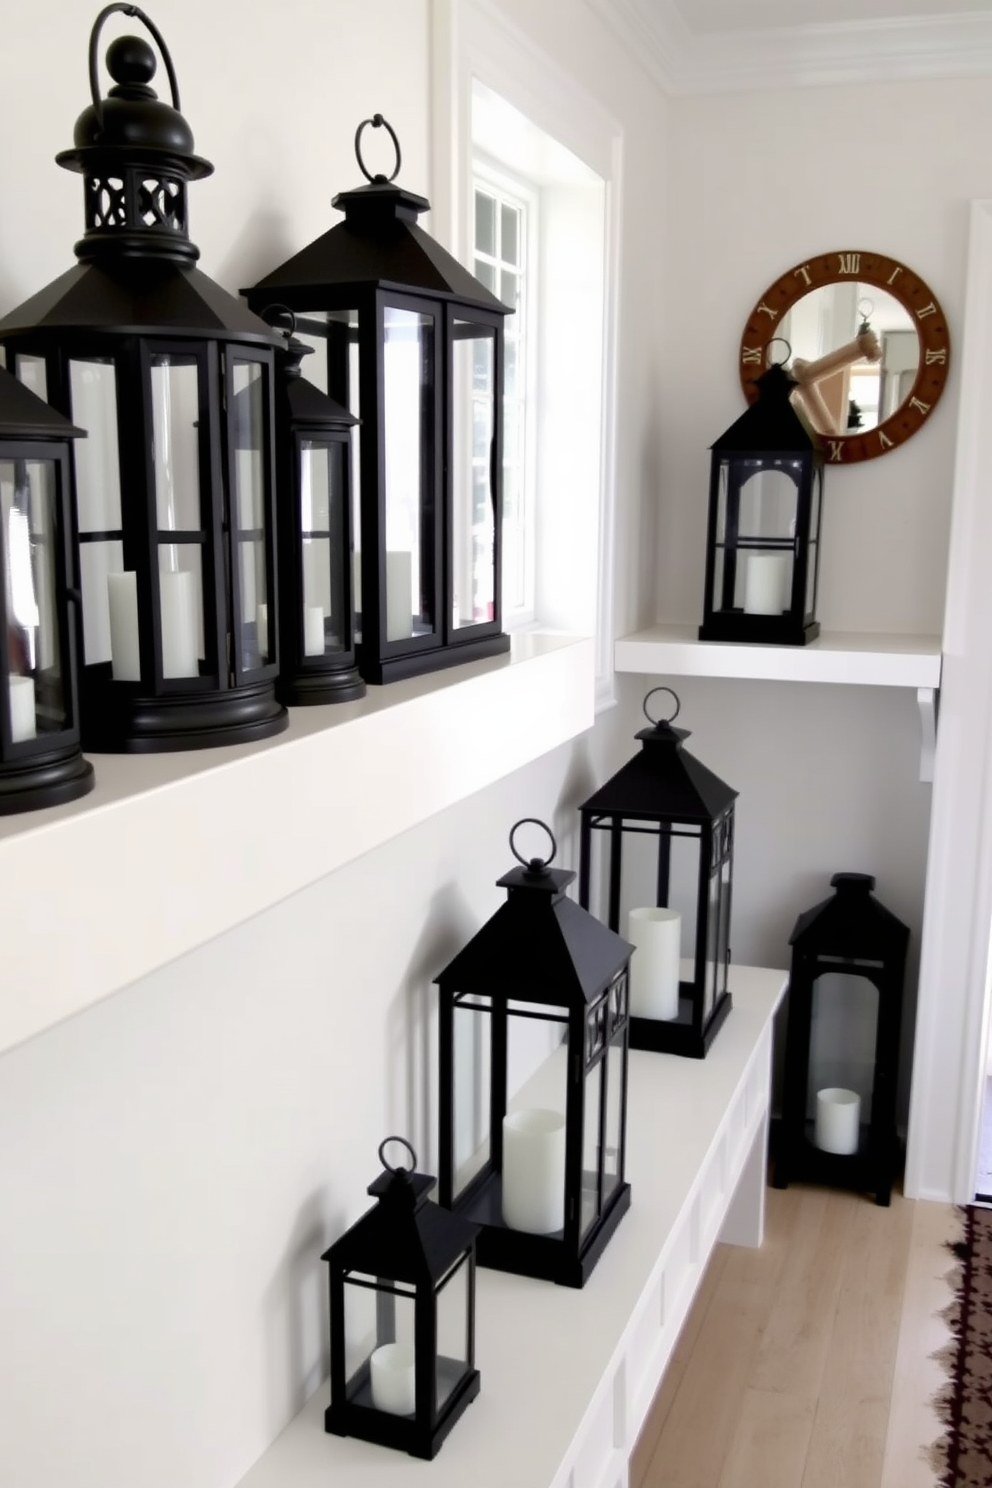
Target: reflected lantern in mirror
<point x="532" y="1064"/>
<point x="409" y="341"/>
<point x="40" y="759"/>
<point x="763" y="534"/>
<point x="402" y="1316"/>
<point x="656" y="863"/>
<point x="173" y="548"/>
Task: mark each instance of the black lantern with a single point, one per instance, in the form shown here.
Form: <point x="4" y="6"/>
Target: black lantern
<point x="414" y="344"/>
<point x="533" y="1080"/>
<point x="40" y="759"/>
<point x="838" y="1121"/>
<point x="402" y="1303"/>
<point x="173" y="520"/>
<point x="666" y="823"/>
<point x="763" y="541"/>
<point x="313" y="511"/>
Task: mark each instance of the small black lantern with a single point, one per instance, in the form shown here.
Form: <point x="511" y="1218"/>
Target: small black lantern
<point x="763" y="540"/>
<point x="402" y="1304"/>
<point x="171" y="378"/>
<point x="533" y="1079"/>
<point x="668" y="815"/>
<point x="313" y="511"/>
<point x="412" y="342"/>
<point x="40" y="759"/>
<point x="838" y="1121"/>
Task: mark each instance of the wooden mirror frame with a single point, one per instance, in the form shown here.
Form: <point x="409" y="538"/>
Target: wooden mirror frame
<point x="882" y="273"/>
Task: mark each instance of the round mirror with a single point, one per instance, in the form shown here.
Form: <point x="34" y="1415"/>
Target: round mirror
<point x="868" y="346"/>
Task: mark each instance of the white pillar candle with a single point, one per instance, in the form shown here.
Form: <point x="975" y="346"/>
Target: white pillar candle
<point x="262" y="623"/>
<point x="313" y="630"/>
<point x="534" y="1171"/>
<point x="393" y="1375"/>
<point x="23" y="724"/>
<point x="177" y="596"/>
<point x="766" y="579"/>
<point x="122" y="595"/>
<point x="399" y="596"/>
<point x="838" y="1116"/>
<point x="654" y="966"/>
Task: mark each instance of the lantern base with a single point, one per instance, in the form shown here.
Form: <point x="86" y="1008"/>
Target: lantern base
<point x="306" y="689"/>
<point x="357" y="1416"/>
<point x="377" y="670"/>
<point x="758" y="630"/>
<point x="871" y="1169"/>
<point x="51" y="780"/>
<point x="677" y="1035"/>
<point x="544" y="1257"/>
<point x="117" y="721"/>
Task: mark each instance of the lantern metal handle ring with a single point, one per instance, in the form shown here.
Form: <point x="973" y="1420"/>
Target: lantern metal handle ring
<point x="536" y="865"/>
<point x="788" y="351"/>
<point x="129" y="10"/>
<point x="271" y="312"/>
<point x="656" y="721"/>
<point x="403" y="1143"/>
<point x="378" y="122"/>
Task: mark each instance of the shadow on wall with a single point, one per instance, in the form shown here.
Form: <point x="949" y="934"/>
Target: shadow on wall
<point x="295" y="1305"/>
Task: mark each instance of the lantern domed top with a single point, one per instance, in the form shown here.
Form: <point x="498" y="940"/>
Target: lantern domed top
<point x="772" y="422"/>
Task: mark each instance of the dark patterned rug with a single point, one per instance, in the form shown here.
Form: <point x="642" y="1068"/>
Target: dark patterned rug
<point x="963" y="1457"/>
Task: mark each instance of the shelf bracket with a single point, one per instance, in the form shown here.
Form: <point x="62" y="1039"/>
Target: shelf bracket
<point x="927" y="699"/>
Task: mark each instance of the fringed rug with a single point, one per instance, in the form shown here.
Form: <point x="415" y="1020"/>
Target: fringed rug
<point x="963" y="1457"/>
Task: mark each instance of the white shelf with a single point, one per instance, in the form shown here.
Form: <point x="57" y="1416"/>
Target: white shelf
<point x="170" y="850"/>
<point x="568" y="1376"/>
<point x="839" y="656"/>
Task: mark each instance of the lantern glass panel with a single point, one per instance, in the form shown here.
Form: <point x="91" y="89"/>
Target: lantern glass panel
<point x="27" y="511"/>
<point x="473" y="391"/>
<point x="251" y="537"/>
<point x="536" y="1100"/>
<point x="175" y="385"/>
<point x="843" y="1031"/>
<point x="180" y="581"/>
<point x="321" y="495"/>
<point x="814" y="533"/>
<point x="377" y="1311"/>
<point x="409" y="342"/>
<point x="592" y="1152"/>
<point x="93" y="399"/>
<point x="616" y="1074"/>
<point x="453" y="1361"/>
<point x="33" y="373"/>
<point x="471" y="1076"/>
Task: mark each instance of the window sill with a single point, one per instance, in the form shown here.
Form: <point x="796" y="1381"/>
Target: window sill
<point x="171" y="850"/>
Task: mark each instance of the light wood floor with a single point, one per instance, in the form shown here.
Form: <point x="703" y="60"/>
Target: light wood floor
<point x="806" y="1364"/>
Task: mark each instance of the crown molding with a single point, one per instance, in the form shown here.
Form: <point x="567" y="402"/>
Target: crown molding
<point x="683" y="62"/>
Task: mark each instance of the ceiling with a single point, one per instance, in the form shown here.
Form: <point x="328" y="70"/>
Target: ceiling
<point x="704" y="46"/>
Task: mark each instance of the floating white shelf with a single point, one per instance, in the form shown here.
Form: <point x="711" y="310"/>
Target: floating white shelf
<point x="838" y="656"/>
<point x="170" y="850"/>
<point x="568" y="1376"/>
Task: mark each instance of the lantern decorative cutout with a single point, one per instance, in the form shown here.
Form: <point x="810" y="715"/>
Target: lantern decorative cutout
<point x="409" y="340"/>
<point x="763" y="540"/>
<point x="838" y="1123"/>
<point x="666" y="876"/>
<point x="402" y="1305"/>
<point x="40" y="759"/>
<point x="533" y="1079"/>
<point x="313" y="511"/>
<point x="174" y="516"/>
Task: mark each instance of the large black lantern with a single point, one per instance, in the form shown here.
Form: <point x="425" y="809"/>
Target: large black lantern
<point x="313" y="509"/>
<point x="838" y="1121"/>
<point x="533" y="1080"/>
<point x="40" y="759"/>
<point x="763" y="540"/>
<point x="171" y="377"/>
<point x="414" y="344"/>
<point x="663" y="832"/>
<point x="402" y="1304"/>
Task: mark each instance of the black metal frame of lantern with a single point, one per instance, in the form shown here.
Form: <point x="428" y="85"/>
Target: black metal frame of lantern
<point x="665" y="793"/>
<point x="763" y="544"/>
<point x="404" y="1260"/>
<point x="413" y="343"/>
<point x="173" y="524"/>
<point x="539" y="964"/>
<point x="313" y="511"/>
<point x="854" y="936"/>
<point x="40" y="759"/>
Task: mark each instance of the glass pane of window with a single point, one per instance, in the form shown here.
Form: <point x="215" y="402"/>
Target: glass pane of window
<point x="472" y="1060"/>
<point x="509" y="247"/>
<point x="408" y="415"/>
<point x="453" y="1361"/>
<point x="473" y="430"/>
<point x="27" y="512"/>
<point x="180" y="581"/>
<point x="93" y="399"/>
<point x="249" y="508"/>
<point x="485" y="223"/>
<point x="175" y="384"/>
<point x="509" y="288"/>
